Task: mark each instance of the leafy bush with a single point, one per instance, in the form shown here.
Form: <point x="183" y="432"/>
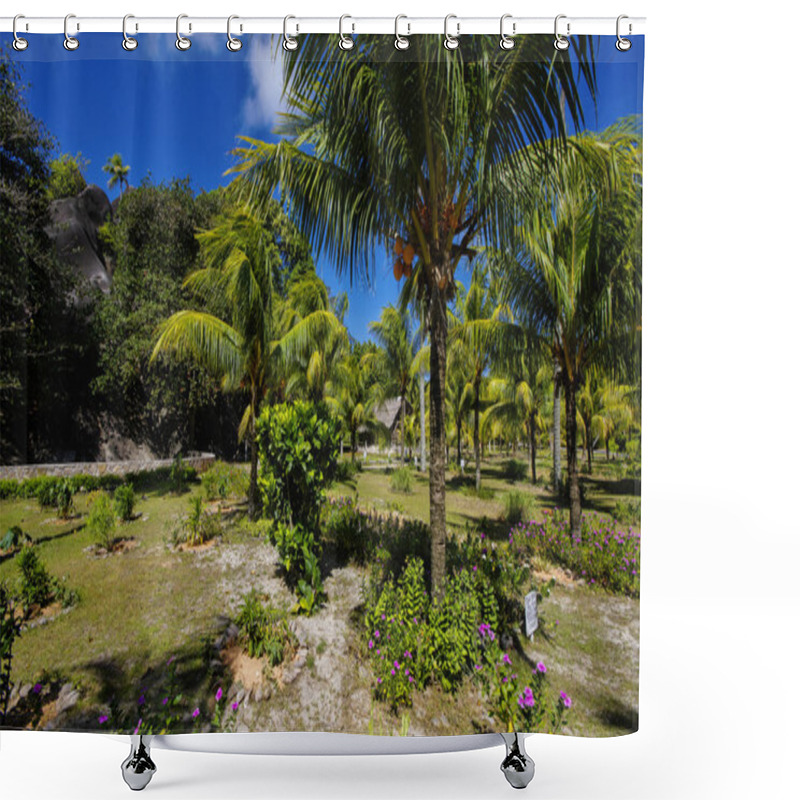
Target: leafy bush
<point x="15" y="537"/>
<point x="221" y="481"/>
<point x="198" y="526"/>
<point x="299" y="553"/>
<point x="57" y="494"/>
<point x="517" y="507"/>
<point x="124" y="501"/>
<point x="402" y="480"/>
<point x="66" y="176"/>
<point x="349" y="530"/>
<point x="177" y="474"/>
<point x="102" y="521"/>
<point x="298" y="447"/>
<point x="264" y="630"/>
<point x="601" y="553"/>
<point x="481" y="492"/>
<point x="515" y="470"/>
<point x="628" y="512"/>
<point x="346" y="470"/>
<point x="9" y="631"/>
<point x="513" y="706"/>
<point x="36" y="584"/>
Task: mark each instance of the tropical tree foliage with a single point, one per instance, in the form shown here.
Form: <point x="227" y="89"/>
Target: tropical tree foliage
<point x="577" y="281"/>
<point x="427" y="146"/>
<point x="118" y="173"/>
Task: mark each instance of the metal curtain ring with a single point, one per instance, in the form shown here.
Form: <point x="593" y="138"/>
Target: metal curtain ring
<point x="128" y="43"/>
<point x="506" y="41"/>
<point x="70" y="42"/>
<point x="561" y="43"/>
<point x="233" y="44"/>
<point x="623" y="45"/>
<point x="401" y="42"/>
<point x="345" y="42"/>
<point x="450" y="41"/>
<point x="289" y="42"/>
<point x="181" y="42"/>
<point x="19" y="44"/>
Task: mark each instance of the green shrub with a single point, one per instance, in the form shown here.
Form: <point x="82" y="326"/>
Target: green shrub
<point x="514" y="470"/>
<point x="36" y="585"/>
<point x="402" y="480"/>
<point x="124" y="501"/>
<point x="346" y="470"/>
<point x="101" y="522"/>
<point x="299" y="553"/>
<point x="264" y="630"/>
<point x="481" y="492"/>
<point x="58" y="494"/>
<point x="349" y="530"/>
<point x="9" y="488"/>
<point x="198" y="526"/>
<point x="221" y="481"/>
<point x="628" y="512"/>
<point x="517" y="507"/>
<point x="298" y="447"/>
<point x="9" y="631"/>
<point x="177" y="474"/>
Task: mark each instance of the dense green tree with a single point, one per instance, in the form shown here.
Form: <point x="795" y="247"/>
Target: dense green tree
<point x="38" y="329"/>
<point x="425" y="145"/>
<point x="66" y="176"/>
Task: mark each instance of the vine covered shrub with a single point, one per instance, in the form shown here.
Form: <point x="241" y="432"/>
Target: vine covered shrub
<point x="298" y="447"/>
<point x="264" y="630"/>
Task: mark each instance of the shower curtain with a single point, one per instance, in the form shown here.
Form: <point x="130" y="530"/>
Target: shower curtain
<point x="320" y="394"/>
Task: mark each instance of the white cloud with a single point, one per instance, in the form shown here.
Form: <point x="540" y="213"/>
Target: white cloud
<point x="263" y="102"/>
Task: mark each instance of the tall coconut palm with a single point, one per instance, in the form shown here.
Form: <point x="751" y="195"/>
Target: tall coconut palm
<point x="477" y="329"/>
<point x="395" y="361"/>
<point x="240" y="339"/>
<point x="118" y="172"/>
<point x="428" y="147"/>
<point x="353" y="400"/>
<point x="578" y="281"/>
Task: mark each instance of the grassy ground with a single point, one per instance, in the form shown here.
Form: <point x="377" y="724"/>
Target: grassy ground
<point x="139" y="608"/>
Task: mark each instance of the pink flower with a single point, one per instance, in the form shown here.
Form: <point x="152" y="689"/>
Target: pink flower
<point x="234" y="706"/>
<point x="196" y="713"/>
<point x="506" y="659"/>
<point x="219" y="694"/>
<point x="566" y="700"/>
<point x="138" y="726"/>
<point x="540" y="667"/>
<point x="103" y="718"/>
<point x="371" y="644"/>
<point x="165" y="701"/>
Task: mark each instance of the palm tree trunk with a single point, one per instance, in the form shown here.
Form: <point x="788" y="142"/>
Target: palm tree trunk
<point x="476" y="434"/>
<point x="556" y="428"/>
<point x="422" y="459"/>
<point x="570" y="390"/>
<point x="353" y="443"/>
<point x="589" y="452"/>
<point x="438" y="322"/>
<point x="402" y="430"/>
<point x="532" y="434"/>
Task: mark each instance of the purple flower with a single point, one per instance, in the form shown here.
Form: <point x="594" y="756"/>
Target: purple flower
<point x="380" y="680"/>
<point x="383" y="616"/>
<point x="396" y="665"/>
<point x="165" y="701"/>
<point x="234" y="706"/>
<point x="406" y="654"/>
<point x="377" y="635"/>
<point x="218" y="695"/>
<point x="371" y="644"/>
<point x="393" y="672"/>
<point x="411" y="679"/>
<point x="506" y="659"/>
<point x="141" y="700"/>
<point x="566" y="700"/>
<point x="102" y="718"/>
<point x="478" y="667"/>
<point x="540" y="667"/>
<point x="196" y="713"/>
<point x="37" y="688"/>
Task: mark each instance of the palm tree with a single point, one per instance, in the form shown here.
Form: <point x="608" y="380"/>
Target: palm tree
<point x="118" y="172"/>
<point x="578" y="281"/>
<point x="395" y="361"/>
<point x="240" y="339"/>
<point x="354" y="401"/>
<point x="428" y="151"/>
<point x="477" y="328"/>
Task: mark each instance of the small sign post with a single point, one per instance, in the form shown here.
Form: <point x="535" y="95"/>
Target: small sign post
<point x="531" y="614"/>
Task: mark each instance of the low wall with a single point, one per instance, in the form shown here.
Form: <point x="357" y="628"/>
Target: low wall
<point x="200" y="461"/>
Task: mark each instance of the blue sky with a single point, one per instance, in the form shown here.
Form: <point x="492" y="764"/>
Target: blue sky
<point x="177" y="114"/>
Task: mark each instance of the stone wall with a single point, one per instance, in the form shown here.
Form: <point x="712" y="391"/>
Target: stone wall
<point x="200" y="461"/>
